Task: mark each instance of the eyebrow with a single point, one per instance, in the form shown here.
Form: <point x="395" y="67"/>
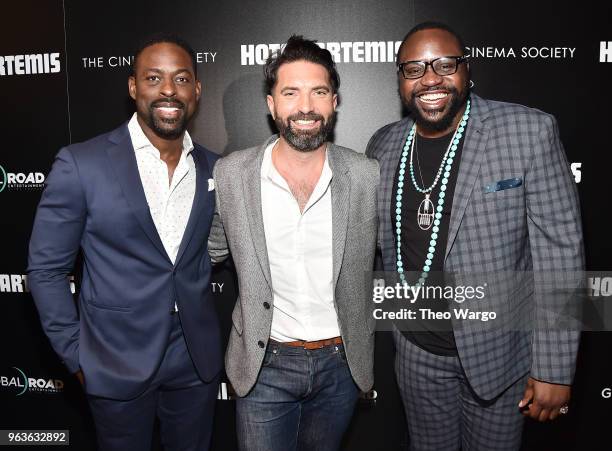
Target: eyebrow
<point x="178" y="71"/>
<point x="314" y="88"/>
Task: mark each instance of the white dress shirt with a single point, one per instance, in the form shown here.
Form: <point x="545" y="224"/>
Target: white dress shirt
<point x="300" y="254"/>
<point x="169" y="202"/>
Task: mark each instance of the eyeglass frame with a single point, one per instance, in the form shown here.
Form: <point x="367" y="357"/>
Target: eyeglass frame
<point x="458" y="59"/>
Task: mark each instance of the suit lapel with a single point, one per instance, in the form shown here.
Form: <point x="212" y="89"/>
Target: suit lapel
<point x="389" y="161"/>
<point x="340" y="198"/>
<point x="123" y="161"/>
<point x="251" y="188"/>
<point x="199" y="200"/>
<point x="340" y="192"/>
<point x="473" y="151"/>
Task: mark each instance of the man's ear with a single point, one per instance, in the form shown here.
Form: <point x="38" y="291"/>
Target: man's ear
<point x="198" y="89"/>
<point x="132" y="86"/>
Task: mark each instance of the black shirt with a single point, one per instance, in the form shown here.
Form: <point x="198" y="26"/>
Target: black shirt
<point x="435" y="336"/>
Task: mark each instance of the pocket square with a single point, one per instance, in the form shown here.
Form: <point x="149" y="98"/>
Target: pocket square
<point x="211" y="184"/>
<point x="503" y="184"/>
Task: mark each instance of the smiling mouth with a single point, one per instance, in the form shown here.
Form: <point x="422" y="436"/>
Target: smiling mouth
<point x="167" y="109"/>
<point x="305" y="124"/>
<point x="433" y="98"/>
<point x="168" y="112"/>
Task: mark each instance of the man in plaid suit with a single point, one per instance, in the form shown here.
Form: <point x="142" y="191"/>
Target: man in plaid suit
<point x="511" y="206"/>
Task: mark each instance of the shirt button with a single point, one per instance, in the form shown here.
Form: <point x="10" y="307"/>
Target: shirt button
<point x="266" y="305"/>
<point x="260" y="344"/>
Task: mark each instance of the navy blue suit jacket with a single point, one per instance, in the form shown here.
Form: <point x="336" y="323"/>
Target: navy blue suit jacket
<point x="94" y="200"/>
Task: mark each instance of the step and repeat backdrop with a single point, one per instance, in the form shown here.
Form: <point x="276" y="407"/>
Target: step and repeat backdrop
<point x="63" y="77"/>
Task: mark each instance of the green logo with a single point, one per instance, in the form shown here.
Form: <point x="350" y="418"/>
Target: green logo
<point x="3" y="179"/>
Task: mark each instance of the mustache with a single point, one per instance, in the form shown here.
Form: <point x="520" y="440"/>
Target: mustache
<point x="168" y="102"/>
<point x="305" y="117"/>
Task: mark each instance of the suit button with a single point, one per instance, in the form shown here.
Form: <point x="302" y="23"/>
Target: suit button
<point x="266" y="305"/>
<point x="260" y="344"/>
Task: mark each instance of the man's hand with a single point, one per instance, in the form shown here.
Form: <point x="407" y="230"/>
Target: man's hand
<point x="80" y="377"/>
<point x="542" y="400"/>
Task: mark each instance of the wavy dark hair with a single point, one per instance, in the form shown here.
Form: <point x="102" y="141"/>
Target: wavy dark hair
<point x="299" y="49"/>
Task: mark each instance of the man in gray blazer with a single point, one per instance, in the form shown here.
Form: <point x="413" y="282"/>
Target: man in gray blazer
<point x="474" y="186"/>
<point x="298" y="215"/>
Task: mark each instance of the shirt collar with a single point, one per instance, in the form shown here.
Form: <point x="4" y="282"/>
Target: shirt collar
<point x="269" y="172"/>
<point x="141" y="142"/>
<point x="267" y="168"/>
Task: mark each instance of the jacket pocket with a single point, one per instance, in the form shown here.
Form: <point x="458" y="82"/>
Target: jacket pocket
<point x="502" y="185"/>
<point x="113" y="308"/>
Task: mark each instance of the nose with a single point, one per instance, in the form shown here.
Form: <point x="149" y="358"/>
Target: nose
<point x="305" y="103"/>
<point x="430" y="78"/>
<point x="167" y="88"/>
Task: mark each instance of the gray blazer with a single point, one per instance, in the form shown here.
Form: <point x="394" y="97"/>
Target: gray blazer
<point x="238" y="228"/>
<point x="534" y="226"/>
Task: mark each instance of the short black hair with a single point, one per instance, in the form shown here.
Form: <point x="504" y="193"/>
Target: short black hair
<point x="164" y="37"/>
<point x="432" y="25"/>
<point x="299" y="49"/>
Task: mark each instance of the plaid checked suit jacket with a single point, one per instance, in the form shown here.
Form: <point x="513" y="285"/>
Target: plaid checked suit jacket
<point x="533" y="227"/>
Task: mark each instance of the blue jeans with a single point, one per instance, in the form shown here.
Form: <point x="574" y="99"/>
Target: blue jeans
<point x="303" y="401"/>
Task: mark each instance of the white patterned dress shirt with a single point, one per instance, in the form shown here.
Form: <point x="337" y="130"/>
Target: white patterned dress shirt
<point x="169" y="202"/>
<point x="300" y="254"/>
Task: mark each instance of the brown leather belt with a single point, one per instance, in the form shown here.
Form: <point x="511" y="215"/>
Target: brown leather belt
<point x="314" y="344"/>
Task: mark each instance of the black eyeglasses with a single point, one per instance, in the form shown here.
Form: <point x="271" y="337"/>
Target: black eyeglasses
<point x="445" y="65"/>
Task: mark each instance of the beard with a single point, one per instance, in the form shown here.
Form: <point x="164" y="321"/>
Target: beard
<point x="166" y="128"/>
<point x="441" y="119"/>
<point x="305" y="140"/>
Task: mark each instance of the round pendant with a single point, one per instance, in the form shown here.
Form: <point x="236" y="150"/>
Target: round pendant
<point x="425" y="214"/>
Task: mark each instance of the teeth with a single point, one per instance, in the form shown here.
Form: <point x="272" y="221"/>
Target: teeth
<point x="303" y="122"/>
<point x="167" y="108"/>
<point x="432" y="97"/>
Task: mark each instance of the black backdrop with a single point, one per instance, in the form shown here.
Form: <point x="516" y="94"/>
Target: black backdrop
<point x="545" y="54"/>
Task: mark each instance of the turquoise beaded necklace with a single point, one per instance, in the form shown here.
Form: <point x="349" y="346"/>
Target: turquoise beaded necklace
<point x="426" y="216"/>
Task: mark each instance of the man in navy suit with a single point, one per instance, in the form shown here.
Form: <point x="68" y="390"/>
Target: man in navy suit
<point x="138" y="201"/>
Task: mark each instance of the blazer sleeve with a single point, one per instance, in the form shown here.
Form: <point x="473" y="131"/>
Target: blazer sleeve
<point x="54" y="244"/>
<point x="217" y="242"/>
<point x="556" y="243"/>
<point x="372" y="146"/>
